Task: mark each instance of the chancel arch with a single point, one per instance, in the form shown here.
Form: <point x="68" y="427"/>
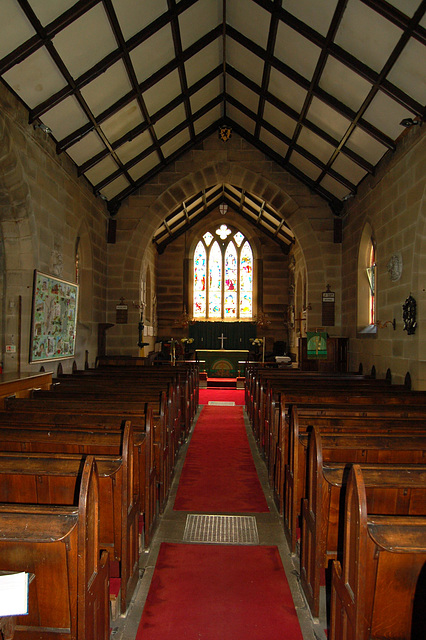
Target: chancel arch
<point x="288" y="199"/>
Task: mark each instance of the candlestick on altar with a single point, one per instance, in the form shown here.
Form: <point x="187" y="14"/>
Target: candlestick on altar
<point x="263" y="349"/>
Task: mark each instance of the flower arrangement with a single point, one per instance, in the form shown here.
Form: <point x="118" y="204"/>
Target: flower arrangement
<point x="256" y="342"/>
<point x="187" y="340"/>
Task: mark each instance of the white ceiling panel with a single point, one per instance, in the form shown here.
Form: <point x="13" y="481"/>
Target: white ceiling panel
<point x="327" y="119"/>
<point x="406" y="6"/>
<point x="131" y="149"/>
<point x="367" y="35"/>
<point x="16" y="27"/>
<point x="101" y="171"/>
<point x="348" y="169"/>
<point x="292" y="94"/>
<point x="144" y="166"/>
<point x="238" y="90"/>
<point x="317" y="146"/>
<point x="123" y="121"/>
<point x="212" y="116"/>
<point x="251" y="20"/>
<point x="153" y="53"/>
<point x="296" y="51"/>
<point x="65" y="118"/>
<point x="273" y="142"/>
<point x="36" y="78"/>
<point x="133" y="17"/>
<point x="199" y="19"/>
<point x="279" y="120"/>
<point x="204" y="62"/>
<point x="107" y="88"/>
<point x="86" y="148"/>
<point x="115" y="187"/>
<point x="317" y="15"/>
<point x="240" y="118"/>
<point x="206" y="94"/>
<point x="173" y="145"/>
<point x="48" y="10"/>
<point x="86" y="41"/>
<point x="162" y="93"/>
<point x="366" y="146"/>
<point x="342" y="83"/>
<point x="171" y="120"/>
<point x="244" y="61"/>
<point x="333" y="186"/>
<point x="386" y="114"/>
<point x="408" y="71"/>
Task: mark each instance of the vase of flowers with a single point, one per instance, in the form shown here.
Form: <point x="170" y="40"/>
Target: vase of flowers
<point x="186" y="342"/>
<point x="256" y="345"/>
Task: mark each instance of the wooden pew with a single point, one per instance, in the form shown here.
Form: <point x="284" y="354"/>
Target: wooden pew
<point x="128" y="410"/>
<point x="358" y="403"/>
<point x="294" y="476"/>
<point x="374" y="588"/>
<point x="68" y="599"/>
<point x="144" y="458"/>
<point x="390" y="489"/>
<point x="50" y="475"/>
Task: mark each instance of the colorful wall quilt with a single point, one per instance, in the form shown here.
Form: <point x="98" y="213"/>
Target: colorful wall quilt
<point x="54" y="318"/>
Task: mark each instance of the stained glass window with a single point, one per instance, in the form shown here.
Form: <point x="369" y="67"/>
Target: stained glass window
<point x="231" y="281"/>
<point x="223" y="276"/>
<point x="215" y="281"/>
<point x="246" y="281"/>
<point x="200" y="267"/>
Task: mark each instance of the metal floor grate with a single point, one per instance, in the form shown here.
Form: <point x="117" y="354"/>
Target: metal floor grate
<point x="221" y="529"/>
<point x="222" y="403"/>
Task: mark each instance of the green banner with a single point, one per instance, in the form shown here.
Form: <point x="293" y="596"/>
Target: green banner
<point x="316" y="344"/>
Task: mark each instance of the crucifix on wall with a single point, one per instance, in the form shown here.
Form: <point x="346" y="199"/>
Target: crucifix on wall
<point x="222" y="338"/>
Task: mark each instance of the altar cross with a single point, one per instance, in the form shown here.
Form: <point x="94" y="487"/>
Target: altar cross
<point x="222" y="338"/>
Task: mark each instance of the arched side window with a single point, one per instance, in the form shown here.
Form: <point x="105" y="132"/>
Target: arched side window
<point x="223" y="276"/>
<point x="367" y="283"/>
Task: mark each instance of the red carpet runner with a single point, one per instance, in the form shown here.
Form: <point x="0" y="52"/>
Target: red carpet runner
<point x="224" y="395"/>
<point x="219" y="475"/>
<point x="214" y="592"/>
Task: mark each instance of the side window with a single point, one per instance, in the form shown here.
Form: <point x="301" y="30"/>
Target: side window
<point x="367" y="283"/>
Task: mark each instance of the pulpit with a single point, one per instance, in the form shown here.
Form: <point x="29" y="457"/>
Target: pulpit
<point x="222" y="363"/>
<point x="336" y="358"/>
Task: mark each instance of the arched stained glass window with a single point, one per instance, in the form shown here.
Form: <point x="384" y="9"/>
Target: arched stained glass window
<point x="215" y="281"/>
<point x="231" y="281"/>
<point x="246" y="281"/>
<point x="200" y="272"/>
<point x="223" y="276"/>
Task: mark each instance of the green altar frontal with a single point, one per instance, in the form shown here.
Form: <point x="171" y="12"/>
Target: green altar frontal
<point x="222" y="363"/>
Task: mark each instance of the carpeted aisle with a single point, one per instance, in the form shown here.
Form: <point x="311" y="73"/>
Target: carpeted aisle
<point x="224" y="395"/>
<point x="219" y="475"/>
<point x="222" y="591"/>
<point x="218" y="592"/>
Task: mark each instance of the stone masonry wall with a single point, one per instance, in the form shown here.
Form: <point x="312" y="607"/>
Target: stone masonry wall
<point x="44" y="209"/>
<point x="394" y="203"/>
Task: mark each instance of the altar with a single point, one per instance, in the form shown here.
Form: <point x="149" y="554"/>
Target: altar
<point x="222" y="363"/>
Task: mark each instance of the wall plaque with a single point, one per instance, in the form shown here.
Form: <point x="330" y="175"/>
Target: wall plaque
<point x="121" y="312"/>
<point x="328" y="307"/>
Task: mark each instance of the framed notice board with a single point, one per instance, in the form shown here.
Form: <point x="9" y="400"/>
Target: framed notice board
<point x="328" y="306"/>
<point x="53" y="318"/>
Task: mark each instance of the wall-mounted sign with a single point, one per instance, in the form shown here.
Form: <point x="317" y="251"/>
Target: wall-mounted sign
<point x="328" y="307"/>
<point x="121" y="312"/>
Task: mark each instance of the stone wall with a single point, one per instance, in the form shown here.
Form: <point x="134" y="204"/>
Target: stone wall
<point x="214" y="162"/>
<point x="44" y="209"/>
<point x="393" y="202"/>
